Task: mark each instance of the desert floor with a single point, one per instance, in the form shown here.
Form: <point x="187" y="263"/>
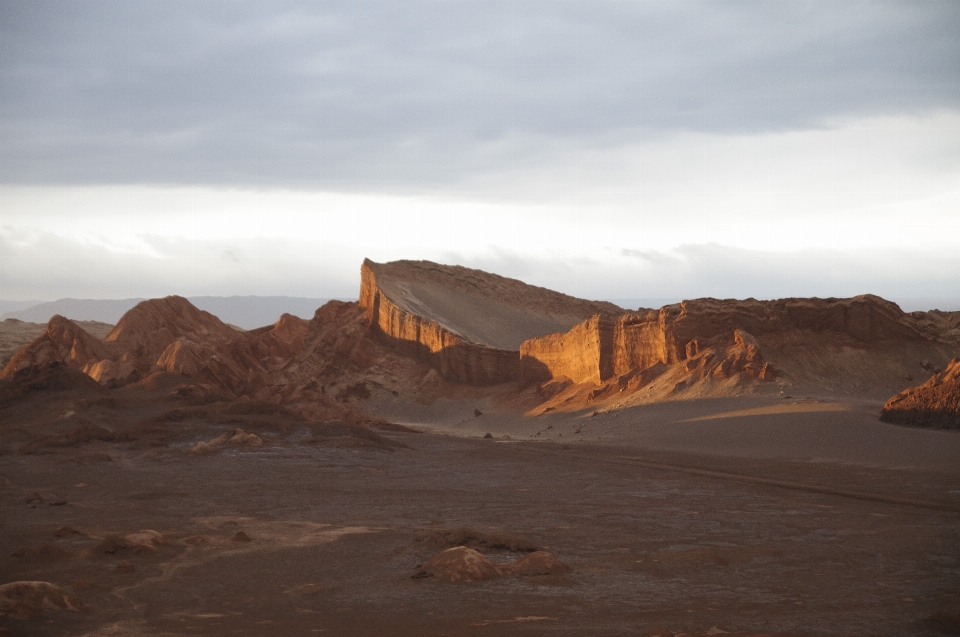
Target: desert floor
<point x="773" y="515"/>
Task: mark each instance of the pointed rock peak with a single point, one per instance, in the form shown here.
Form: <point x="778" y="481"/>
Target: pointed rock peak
<point x="59" y="325"/>
<point x="175" y="314"/>
<point x="288" y="321"/>
<point x="289" y="328"/>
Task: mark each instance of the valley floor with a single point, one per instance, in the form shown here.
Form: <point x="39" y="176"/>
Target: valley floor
<point x="751" y="516"/>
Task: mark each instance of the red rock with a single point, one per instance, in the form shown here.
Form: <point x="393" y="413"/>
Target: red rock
<point x="63" y="342"/>
<point x="536" y="563"/>
<point x="465" y="323"/>
<point x="584" y="354"/>
<point x="594" y="351"/>
<point x="936" y="403"/>
<point x="460" y="564"/>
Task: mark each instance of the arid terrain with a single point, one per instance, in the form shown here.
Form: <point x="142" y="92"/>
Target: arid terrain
<point x="462" y="454"/>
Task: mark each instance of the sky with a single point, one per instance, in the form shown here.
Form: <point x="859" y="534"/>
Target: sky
<point x="614" y="150"/>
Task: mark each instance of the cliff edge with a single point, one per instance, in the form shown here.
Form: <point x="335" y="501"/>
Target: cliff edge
<point x="467" y="324"/>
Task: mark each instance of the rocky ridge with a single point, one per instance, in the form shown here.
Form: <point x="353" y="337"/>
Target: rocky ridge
<point x="418" y="326"/>
<point x="467" y="324"/>
<point x="171" y="335"/>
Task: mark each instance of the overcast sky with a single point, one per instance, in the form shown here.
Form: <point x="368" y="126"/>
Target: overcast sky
<point x="604" y="149"/>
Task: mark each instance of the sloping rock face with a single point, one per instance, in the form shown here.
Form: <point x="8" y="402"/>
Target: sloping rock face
<point x="63" y="342"/>
<point x="467" y="324"/>
<point x="171" y="335"/>
<point x="936" y="403"/>
<point x="721" y="334"/>
<point x="149" y="327"/>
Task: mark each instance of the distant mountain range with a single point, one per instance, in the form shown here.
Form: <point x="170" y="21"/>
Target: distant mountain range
<point x="247" y="312"/>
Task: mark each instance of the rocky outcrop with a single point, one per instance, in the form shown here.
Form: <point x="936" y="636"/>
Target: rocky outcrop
<point x="481" y="329"/>
<point x="936" y="403"/>
<point x="63" y="342"/>
<point x="667" y="335"/>
<point x="584" y="354"/>
<point x="150" y="327"/>
<point x="467" y="324"/>
<point x="282" y="340"/>
<point x="170" y="335"/>
<point x="717" y="338"/>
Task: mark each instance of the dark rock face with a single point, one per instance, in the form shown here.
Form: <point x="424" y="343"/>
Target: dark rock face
<point x="935" y="404"/>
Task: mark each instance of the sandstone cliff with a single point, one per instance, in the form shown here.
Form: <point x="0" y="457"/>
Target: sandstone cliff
<point x="417" y="323"/>
<point x="585" y="354"/>
<point x="936" y="403"/>
<point x="724" y="338"/>
<point x="467" y="324"/>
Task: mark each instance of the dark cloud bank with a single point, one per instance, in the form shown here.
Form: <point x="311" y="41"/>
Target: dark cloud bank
<point x="411" y="95"/>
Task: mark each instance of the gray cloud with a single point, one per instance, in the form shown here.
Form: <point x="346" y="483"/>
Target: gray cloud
<point x="410" y="95"/>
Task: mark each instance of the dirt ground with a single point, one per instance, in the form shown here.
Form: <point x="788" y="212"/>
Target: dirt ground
<point x="750" y="516"/>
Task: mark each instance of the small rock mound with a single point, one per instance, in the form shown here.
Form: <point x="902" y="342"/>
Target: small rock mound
<point x="28" y="599"/>
<point x="460" y="564"/>
<point x="536" y="563"/>
<point x="240" y="537"/>
<point x="144" y="541"/>
<point x="935" y="404"/>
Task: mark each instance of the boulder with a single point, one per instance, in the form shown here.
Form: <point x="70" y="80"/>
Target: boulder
<point x="25" y="600"/>
<point x="460" y="564"/>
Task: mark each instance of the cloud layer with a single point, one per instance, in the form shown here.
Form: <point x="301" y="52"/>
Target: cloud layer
<point x="605" y="149"/>
<point x="413" y="95"/>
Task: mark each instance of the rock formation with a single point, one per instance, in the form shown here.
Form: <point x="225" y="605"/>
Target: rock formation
<point x="467" y="324"/>
<point x="480" y="329"/>
<point x="723" y="336"/>
<point x="936" y="403"/>
<point x="463" y="564"/>
<point x="460" y="564"/>
<point x="168" y="334"/>
<point x="27" y="600"/>
<point x="585" y="354"/>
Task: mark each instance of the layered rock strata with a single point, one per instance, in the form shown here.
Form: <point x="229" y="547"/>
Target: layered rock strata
<point x="597" y="350"/>
<point x="936" y="403"/>
<point x="467" y="324"/>
<point x="585" y="354"/>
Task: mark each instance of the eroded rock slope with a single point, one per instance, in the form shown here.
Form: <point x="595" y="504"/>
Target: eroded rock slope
<point x="936" y="403"/>
<point x="418" y="325"/>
